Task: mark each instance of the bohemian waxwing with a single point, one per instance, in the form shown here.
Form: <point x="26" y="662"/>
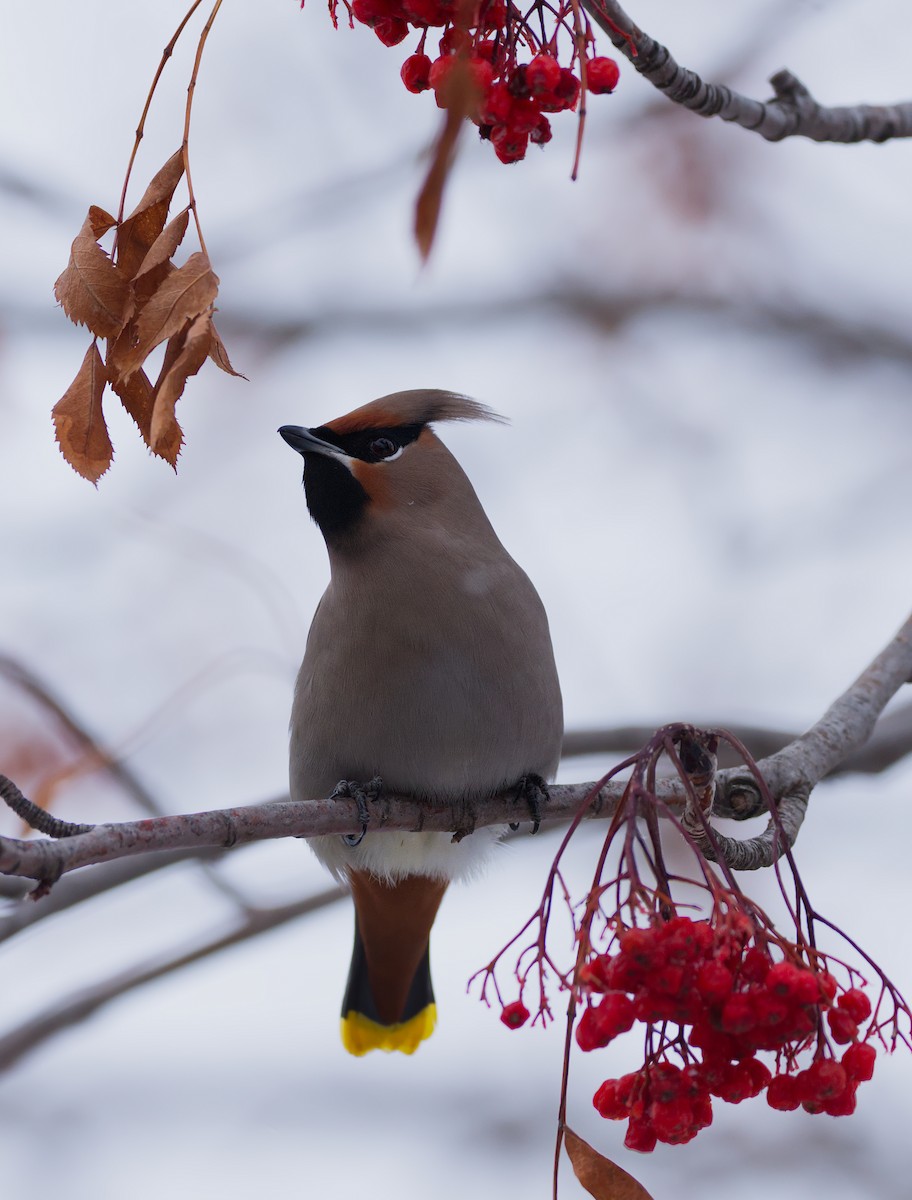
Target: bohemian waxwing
<point x="428" y="664"/>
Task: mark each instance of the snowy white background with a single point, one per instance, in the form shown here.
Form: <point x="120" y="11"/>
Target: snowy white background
<point x="712" y="498"/>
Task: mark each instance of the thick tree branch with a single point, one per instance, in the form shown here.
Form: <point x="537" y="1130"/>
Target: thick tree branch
<point x="792" y="113"/>
<point x="794" y="771"/>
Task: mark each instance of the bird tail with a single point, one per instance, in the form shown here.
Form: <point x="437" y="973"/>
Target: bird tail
<point x="389" y="1001"/>
<point x="363" y="1028"/>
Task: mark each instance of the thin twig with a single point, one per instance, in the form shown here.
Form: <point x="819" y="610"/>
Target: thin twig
<point x="140" y="128"/>
<point x="77" y="1007"/>
<point x="185" y="145"/>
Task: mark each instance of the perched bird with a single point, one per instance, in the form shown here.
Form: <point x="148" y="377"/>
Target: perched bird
<point x="429" y="665"/>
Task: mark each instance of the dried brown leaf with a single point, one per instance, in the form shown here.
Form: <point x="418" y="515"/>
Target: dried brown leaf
<point x="185" y="355"/>
<point x="430" y="197"/>
<point x="601" y="1178"/>
<point x="137" y="395"/>
<point x="79" y="420"/>
<point x="184" y="294"/>
<point x="92" y="290"/>
<point x="145" y="286"/>
<point x="219" y="355"/>
<point x="100" y="220"/>
<point x="144" y="224"/>
<point x="165" y="245"/>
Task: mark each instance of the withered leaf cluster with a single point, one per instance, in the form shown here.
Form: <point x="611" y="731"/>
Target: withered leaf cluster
<point x="135" y="301"/>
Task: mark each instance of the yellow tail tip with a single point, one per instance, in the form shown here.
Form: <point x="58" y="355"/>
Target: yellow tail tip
<point x="360" y="1034"/>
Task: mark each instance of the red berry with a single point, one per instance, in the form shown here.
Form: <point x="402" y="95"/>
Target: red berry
<point x="716" y="1045"/>
<point x="369" y="12"/>
<point x="640" y="1136"/>
<point x="630" y="1092"/>
<point x="738" y="1014"/>
<point x="602" y="74"/>
<point x="702" y="1110"/>
<point x="391" y="30"/>
<point x="760" y="1074"/>
<point x="454" y="40"/>
<point x="593" y="974"/>
<point x="524" y="116"/>
<point x="783" y="1093"/>
<point x="426" y="12"/>
<point x="440" y="77"/>
<point x="771" y="1012"/>
<point x="495" y="110"/>
<point x="542" y="74"/>
<point x="415" y="73"/>
<point x="492" y="15"/>
<point x="509" y="145"/>
<point x="843" y="1028"/>
<point x="541" y="134"/>
<point x="827" y="986"/>
<point x="601" y="1024"/>
<point x="491" y="51"/>
<point x="685" y="940"/>
<point x="638" y="946"/>
<point x="756" y="965"/>
<point x="824" y="1080"/>
<point x="736" y="1085"/>
<point x="856" y="1004"/>
<point x="673" y="1122"/>
<point x="714" y="982"/>
<point x="858" y="1061"/>
<point x="793" y="983"/>
<point x="842" y="1105"/>
<point x="587" y="1034"/>
<point x="666" y="1082"/>
<point x="615" y="1014"/>
<point x="514" y="1014"/>
<point x="608" y="1103"/>
<point x="566" y="95"/>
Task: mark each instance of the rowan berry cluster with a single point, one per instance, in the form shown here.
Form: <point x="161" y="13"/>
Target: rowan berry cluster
<point x="718" y="982"/>
<point x="711" y="995"/>
<point x="477" y="64"/>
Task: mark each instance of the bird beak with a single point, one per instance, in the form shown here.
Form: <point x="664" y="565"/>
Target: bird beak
<point x="305" y="442"/>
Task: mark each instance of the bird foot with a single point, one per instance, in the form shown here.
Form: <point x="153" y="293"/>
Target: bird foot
<point x="361" y="793"/>
<point x="532" y="790"/>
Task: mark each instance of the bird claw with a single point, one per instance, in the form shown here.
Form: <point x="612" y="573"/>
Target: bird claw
<point x="533" y="791"/>
<point x="361" y="793"/>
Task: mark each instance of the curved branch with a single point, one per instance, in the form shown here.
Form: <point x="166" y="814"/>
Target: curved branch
<point x="792" y="113"/>
<point x="844" y="728"/>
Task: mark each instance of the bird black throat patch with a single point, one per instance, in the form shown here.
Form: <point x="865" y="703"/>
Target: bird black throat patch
<point x="335" y="499"/>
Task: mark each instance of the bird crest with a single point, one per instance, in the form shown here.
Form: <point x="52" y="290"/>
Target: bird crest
<point x="422" y="406"/>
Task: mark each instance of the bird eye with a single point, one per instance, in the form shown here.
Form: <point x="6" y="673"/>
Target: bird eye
<point x="383" y="447"/>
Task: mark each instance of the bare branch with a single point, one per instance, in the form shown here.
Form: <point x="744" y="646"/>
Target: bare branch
<point x="81" y="887"/>
<point x="844" y="728"/>
<point x="890" y="742"/>
<point x="793" y="113"/>
<point x="77" y="1007"/>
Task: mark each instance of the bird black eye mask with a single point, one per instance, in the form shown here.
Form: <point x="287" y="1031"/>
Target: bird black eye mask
<point x="371" y="445"/>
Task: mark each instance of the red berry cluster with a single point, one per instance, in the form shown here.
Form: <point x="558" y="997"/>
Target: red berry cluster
<point x="720" y="985"/>
<point x="477" y="68"/>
